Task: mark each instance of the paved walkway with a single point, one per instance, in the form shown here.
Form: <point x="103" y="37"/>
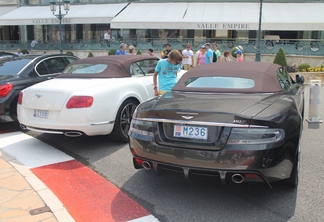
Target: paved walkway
<point x="23" y="197"/>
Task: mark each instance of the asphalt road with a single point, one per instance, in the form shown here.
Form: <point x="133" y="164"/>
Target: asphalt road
<point x="171" y="198"/>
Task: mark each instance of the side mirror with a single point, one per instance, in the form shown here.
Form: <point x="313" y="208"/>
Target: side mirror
<point x="300" y="79"/>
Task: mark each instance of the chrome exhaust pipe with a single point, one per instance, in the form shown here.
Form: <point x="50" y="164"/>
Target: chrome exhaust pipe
<point x="73" y="134"/>
<point x="238" y="178"/>
<point x="146" y="165"/>
<point x="23" y="127"/>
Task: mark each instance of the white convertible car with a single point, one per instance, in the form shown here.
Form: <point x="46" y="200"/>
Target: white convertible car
<point x="93" y="96"/>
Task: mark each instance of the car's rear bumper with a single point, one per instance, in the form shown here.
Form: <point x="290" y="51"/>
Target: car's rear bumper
<point x="72" y="130"/>
<point x="258" y="164"/>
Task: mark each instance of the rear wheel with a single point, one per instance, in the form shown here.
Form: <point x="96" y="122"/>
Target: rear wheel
<point x="123" y="120"/>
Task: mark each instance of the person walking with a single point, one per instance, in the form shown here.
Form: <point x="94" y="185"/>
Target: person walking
<point x="131" y="50"/>
<point x="209" y="54"/>
<point x="187" y="55"/>
<point x="122" y="49"/>
<point x="216" y="52"/>
<point x="226" y="57"/>
<point x="239" y="56"/>
<point x="201" y="59"/>
<point x="150" y="52"/>
<point x="18" y="53"/>
<point x="107" y="37"/>
<point x="165" y="53"/>
<point x="166" y="72"/>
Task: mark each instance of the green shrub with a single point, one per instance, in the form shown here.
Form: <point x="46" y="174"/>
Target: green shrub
<point x="69" y="53"/>
<point x="139" y="52"/>
<point x="303" y="67"/>
<point x="90" y="54"/>
<point x="233" y="50"/>
<point x="280" y="58"/>
<point x="112" y="52"/>
<point x="24" y="51"/>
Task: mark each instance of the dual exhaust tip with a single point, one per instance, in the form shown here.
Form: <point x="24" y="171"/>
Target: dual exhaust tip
<point x="236" y="178"/>
<point x="68" y="133"/>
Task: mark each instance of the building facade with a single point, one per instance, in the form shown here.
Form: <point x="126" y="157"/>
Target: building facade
<point x="294" y="25"/>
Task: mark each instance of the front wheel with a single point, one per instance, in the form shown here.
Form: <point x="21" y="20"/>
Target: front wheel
<point x="292" y="181"/>
<point x="123" y="120"/>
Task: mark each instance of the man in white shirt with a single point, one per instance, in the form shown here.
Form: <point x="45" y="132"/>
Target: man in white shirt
<point x="107" y="35"/>
<point x="187" y="57"/>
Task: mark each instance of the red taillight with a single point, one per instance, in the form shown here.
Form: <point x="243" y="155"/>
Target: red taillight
<point x="20" y="97"/>
<point x="5" y="90"/>
<point x="79" y="102"/>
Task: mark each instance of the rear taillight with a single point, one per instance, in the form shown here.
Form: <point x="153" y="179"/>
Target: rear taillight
<point x="20" y="97"/>
<point x="79" y="102"/>
<point x="5" y="90"/>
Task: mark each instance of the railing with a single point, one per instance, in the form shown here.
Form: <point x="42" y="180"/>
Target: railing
<point x="297" y="47"/>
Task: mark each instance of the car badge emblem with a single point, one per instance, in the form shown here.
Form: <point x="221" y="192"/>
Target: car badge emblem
<point x="187" y="117"/>
<point x="38" y="95"/>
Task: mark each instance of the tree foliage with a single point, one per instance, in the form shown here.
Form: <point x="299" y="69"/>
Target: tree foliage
<point x="280" y="58"/>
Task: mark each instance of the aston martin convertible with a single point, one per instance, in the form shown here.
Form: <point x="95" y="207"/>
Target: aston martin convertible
<point x="236" y="122"/>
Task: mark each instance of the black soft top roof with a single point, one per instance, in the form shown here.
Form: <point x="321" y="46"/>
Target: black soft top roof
<point x="264" y="75"/>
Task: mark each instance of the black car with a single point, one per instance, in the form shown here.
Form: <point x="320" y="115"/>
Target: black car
<point x="6" y="54"/>
<point x="238" y="121"/>
<point x="20" y="72"/>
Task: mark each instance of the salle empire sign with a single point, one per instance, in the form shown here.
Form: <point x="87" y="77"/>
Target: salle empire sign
<point x="50" y="21"/>
<point x="222" y="26"/>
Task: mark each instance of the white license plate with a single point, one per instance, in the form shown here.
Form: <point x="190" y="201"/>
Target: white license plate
<point x="190" y="132"/>
<point x="41" y="113"/>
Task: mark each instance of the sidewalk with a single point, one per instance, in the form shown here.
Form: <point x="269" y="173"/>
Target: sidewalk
<point x="23" y="197"/>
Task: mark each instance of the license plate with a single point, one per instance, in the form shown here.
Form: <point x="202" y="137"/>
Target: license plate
<point x="41" y="113"/>
<point x="190" y="132"/>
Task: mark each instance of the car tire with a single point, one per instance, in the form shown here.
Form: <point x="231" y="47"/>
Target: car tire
<point x="123" y="120"/>
<point x="292" y="181"/>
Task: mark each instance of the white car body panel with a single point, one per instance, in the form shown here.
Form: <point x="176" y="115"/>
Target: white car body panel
<point x="98" y="119"/>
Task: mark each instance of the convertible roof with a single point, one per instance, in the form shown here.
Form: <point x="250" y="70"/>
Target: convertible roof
<point x="264" y="75"/>
<point x="118" y="66"/>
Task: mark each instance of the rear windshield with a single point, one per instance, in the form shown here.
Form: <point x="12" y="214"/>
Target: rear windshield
<point x="218" y="82"/>
<point x="12" y="67"/>
<point x="85" y="68"/>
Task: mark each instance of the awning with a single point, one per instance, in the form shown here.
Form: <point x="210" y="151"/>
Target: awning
<point x="6" y="9"/>
<point x="78" y="14"/>
<point x="221" y="16"/>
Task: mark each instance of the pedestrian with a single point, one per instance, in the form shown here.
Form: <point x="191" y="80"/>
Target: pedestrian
<point x="131" y="50"/>
<point x="165" y="53"/>
<point x="150" y="52"/>
<point x="187" y="55"/>
<point x="201" y="59"/>
<point x="209" y="54"/>
<point x="122" y="49"/>
<point x="166" y="72"/>
<point x="226" y="57"/>
<point x="216" y="52"/>
<point x="239" y="56"/>
<point x="107" y="37"/>
<point x="18" y="53"/>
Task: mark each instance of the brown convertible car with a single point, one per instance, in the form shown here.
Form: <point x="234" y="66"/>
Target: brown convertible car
<point x="240" y="122"/>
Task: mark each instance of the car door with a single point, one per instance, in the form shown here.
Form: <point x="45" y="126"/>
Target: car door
<point x="144" y="70"/>
<point x="296" y="89"/>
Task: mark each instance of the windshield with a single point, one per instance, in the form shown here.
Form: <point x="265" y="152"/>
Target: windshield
<point x="9" y="68"/>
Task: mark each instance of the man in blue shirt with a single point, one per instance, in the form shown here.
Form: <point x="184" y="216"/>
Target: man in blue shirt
<point x="122" y="49"/>
<point x="166" y="71"/>
<point x="209" y="54"/>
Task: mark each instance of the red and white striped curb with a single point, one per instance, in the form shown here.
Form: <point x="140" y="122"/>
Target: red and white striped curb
<point x="73" y="191"/>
